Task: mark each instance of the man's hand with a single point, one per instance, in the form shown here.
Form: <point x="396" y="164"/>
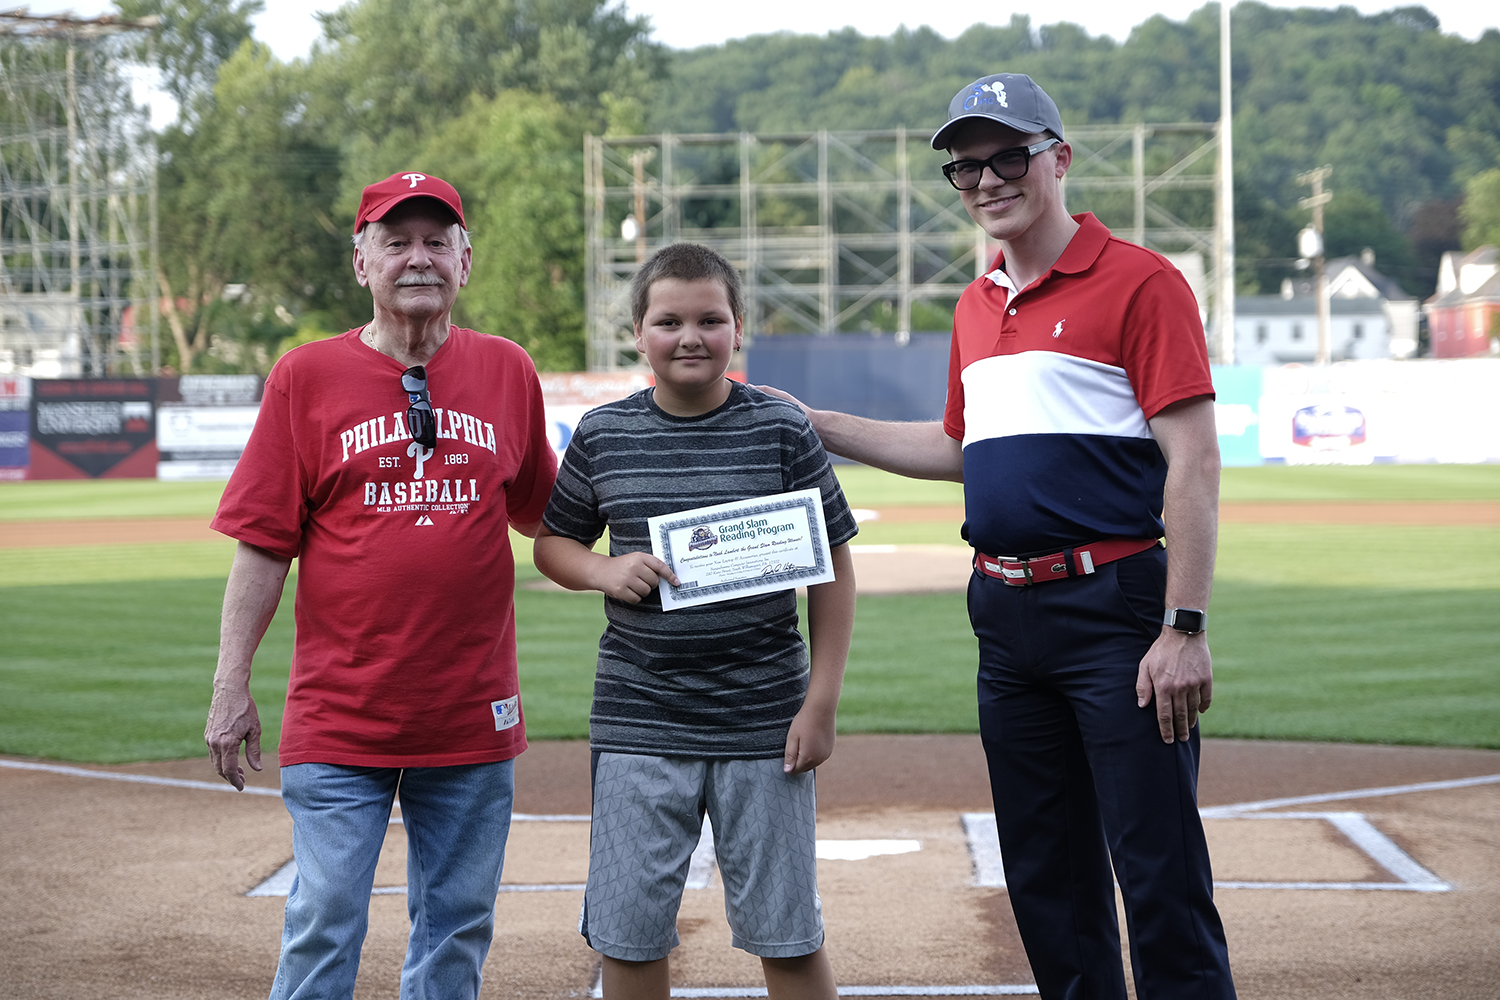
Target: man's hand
<point x="630" y="577"/>
<point x="1177" y="672"/>
<point x="920" y="450"/>
<point x="250" y="597"/>
<point x="232" y="720"/>
<point x="771" y="390"/>
<point x="809" y="742"/>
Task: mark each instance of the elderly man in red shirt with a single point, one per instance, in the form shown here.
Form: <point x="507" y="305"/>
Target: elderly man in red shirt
<point x="391" y="462"/>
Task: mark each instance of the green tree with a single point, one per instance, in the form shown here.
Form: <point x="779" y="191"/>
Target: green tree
<point x="245" y="199"/>
<point x="194" y="39"/>
<point x="1265" y="241"/>
<point x="390" y="73"/>
<point x="495" y="96"/>
<point x="517" y="159"/>
<point x="1353" y="221"/>
<point x="1480" y="210"/>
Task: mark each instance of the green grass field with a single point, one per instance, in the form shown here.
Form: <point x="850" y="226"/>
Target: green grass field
<point x="1320" y="632"/>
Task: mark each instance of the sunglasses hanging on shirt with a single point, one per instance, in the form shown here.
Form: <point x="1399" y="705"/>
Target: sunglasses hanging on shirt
<point x="420" y="420"/>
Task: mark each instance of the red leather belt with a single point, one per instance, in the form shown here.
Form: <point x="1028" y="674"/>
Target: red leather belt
<point x="1080" y="560"/>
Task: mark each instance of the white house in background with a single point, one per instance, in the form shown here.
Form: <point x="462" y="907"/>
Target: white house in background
<point x="1371" y="317"/>
<point x="41" y="335"/>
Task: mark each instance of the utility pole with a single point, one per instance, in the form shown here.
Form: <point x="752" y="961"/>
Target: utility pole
<point x="1310" y="244"/>
<point x="1225" y="317"/>
<point x="638" y="160"/>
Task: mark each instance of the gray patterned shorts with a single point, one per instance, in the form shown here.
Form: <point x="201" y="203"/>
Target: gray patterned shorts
<point x="648" y="816"/>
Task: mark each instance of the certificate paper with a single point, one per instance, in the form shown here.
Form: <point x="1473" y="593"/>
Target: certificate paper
<point x="738" y="549"/>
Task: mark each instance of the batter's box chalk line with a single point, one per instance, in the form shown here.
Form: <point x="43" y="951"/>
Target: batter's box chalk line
<point x="984" y="841"/>
<point x="700" y="867"/>
<point x="979" y="829"/>
<point x="716" y="992"/>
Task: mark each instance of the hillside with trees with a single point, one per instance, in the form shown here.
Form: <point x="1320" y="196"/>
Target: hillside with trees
<point x="261" y="173"/>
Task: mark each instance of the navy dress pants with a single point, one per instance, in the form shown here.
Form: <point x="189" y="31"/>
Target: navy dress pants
<point x="1081" y="777"/>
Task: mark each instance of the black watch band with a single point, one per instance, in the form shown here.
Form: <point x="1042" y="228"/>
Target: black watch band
<point x="1188" y="620"/>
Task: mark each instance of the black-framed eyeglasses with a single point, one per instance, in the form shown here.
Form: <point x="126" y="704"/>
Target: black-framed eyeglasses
<point x="420" y="420"/>
<point x="1008" y="165"/>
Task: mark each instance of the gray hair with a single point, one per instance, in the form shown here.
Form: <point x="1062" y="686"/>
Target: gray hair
<point x="358" y="239"/>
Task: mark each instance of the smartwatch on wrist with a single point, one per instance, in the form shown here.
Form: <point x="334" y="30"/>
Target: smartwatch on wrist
<point x="1188" y="620"/>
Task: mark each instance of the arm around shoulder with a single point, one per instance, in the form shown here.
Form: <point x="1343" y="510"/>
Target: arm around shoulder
<point x="918" y="450"/>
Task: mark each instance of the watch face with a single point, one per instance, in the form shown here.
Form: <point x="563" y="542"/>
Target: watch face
<point x="1188" y="620"/>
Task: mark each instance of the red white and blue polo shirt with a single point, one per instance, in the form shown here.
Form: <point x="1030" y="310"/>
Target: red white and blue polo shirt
<point x="1050" y="389"/>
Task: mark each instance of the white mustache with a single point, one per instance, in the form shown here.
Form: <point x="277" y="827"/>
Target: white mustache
<point x="407" y="280"/>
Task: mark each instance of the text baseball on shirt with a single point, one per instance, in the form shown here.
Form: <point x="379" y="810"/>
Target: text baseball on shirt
<point x="419" y="491"/>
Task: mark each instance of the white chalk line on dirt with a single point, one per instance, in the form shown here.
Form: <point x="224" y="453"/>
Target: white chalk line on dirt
<point x="714" y="992"/>
<point x="700" y="866"/>
<point x="984" y="842"/>
<point x="1212" y="812"/>
<point x="141" y="779"/>
<point x="214" y="786"/>
<point x="731" y="992"/>
<point x="984" y="850"/>
<point x="1230" y="812"/>
<point x="979" y="830"/>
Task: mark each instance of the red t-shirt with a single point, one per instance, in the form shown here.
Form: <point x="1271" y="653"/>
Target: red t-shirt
<point x="405" y="653"/>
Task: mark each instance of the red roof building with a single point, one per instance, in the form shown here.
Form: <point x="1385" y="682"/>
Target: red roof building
<point x="1463" y="318"/>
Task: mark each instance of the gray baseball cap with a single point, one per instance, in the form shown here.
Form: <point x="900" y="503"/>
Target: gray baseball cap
<point x="1011" y="99"/>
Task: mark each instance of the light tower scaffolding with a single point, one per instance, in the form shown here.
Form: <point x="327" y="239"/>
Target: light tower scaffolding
<point x="77" y="201"/>
<point x="846" y="232"/>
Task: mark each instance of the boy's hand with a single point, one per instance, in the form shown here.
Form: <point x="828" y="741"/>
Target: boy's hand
<point x="809" y="742"/>
<point x="631" y="576"/>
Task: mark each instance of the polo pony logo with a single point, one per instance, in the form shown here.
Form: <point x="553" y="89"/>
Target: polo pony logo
<point x="996" y="92"/>
<point x="413" y="178"/>
<point x="1057" y="330"/>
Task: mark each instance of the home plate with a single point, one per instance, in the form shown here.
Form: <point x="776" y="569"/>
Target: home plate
<point x="910" y="569"/>
<point x="859" y="850"/>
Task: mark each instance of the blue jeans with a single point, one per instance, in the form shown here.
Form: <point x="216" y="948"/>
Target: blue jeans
<point x="456" y="819"/>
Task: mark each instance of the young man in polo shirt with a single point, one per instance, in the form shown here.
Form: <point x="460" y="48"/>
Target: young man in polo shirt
<point x="1080" y="420"/>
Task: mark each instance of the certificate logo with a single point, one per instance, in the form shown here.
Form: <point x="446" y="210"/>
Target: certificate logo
<point x="702" y="538"/>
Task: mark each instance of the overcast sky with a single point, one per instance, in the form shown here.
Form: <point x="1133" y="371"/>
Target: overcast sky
<point x="289" y="28"/>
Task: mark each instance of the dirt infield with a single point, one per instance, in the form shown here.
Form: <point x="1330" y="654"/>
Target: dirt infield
<point x="122" y="890"/>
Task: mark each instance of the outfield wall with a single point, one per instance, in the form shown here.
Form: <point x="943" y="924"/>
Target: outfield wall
<point x="1350" y="413"/>
<point x="192" y="427"/>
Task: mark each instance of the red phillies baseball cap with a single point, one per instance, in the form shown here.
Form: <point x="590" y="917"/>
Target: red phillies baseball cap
<point x="382" y="196"/>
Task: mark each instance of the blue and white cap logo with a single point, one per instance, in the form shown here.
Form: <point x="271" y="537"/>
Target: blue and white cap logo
<point x="996" y="91"/>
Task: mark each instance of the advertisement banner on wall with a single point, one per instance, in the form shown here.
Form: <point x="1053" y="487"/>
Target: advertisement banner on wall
<point x="1359" y="413"/>
<point x="15" y="426"/>
<point x="91" y="428"/>
<point x="1326" y="429"/>
<point x="1237" y="413"/>
<point x="203" y="423"/>
<point x="567" y="396"/>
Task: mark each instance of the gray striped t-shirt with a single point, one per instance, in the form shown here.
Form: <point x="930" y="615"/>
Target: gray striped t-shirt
<point x="718" y="680"/>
